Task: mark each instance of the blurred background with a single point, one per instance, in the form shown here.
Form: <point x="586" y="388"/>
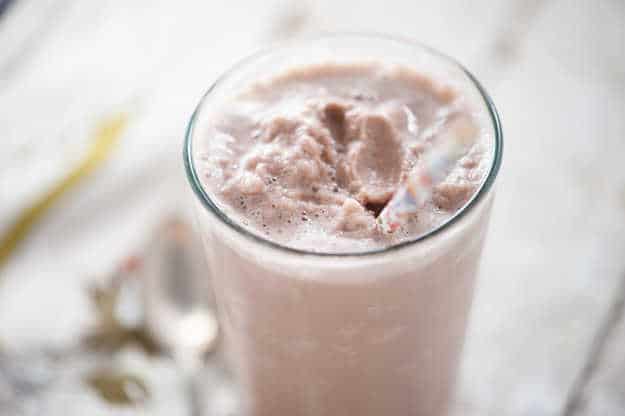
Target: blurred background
<point x="547" y="335"/>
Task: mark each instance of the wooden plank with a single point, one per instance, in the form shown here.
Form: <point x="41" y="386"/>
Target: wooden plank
<point x="24" y="27"/>
<point x="600" y="385"/>
<point x="458" y="28"/>
<point x="554" y="255"/>
<point x="605" y="391"/>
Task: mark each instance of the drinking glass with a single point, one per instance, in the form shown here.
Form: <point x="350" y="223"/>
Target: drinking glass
<point x="333" y="334"/>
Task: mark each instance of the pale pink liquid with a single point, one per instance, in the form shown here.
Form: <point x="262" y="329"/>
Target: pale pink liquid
<point x="333" y="337"/>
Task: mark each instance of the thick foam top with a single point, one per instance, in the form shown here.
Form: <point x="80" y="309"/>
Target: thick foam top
<point x="308" y="158"/>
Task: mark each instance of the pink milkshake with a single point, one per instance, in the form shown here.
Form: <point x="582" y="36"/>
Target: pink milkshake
<point x="293" y="155"/>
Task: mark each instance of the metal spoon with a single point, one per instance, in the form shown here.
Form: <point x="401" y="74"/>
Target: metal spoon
<point x="180" y="310"/>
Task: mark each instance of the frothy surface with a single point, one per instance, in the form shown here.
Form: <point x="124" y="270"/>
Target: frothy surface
<point x="308" y="158"/>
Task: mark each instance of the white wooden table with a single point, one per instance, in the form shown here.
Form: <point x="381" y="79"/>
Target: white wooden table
<point x="547" y="335"/>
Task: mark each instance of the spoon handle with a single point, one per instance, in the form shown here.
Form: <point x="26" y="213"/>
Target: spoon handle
<point x="193" y="388"/>
<point x="191" y="364"/>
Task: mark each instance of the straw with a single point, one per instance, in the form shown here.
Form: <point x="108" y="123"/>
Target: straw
<point x="455" y="139"/>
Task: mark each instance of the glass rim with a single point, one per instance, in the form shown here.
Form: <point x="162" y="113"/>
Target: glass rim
<point x="482" y="191"/>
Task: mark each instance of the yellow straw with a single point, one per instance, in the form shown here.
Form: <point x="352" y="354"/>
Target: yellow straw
<point x="105" y="137"/>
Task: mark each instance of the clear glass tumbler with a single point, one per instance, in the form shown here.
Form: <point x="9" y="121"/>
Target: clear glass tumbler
<point x="323" y="334"/>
